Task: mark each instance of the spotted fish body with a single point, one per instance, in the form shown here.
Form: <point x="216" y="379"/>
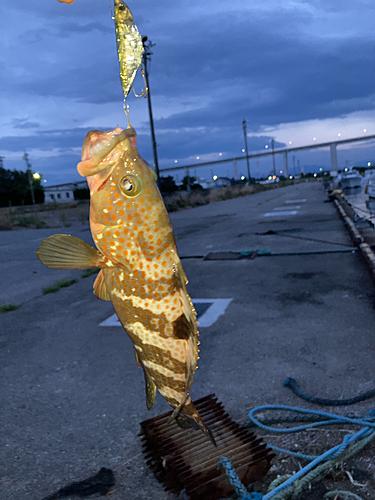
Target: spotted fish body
<point x="141" y="272"/>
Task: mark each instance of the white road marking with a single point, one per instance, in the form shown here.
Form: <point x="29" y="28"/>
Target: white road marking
<point x="212" y="314"/>
<point x="274" y="214"/>
<point x="283" y="208"/>
<point x="295" y="201"/>
<point x="216" y="309"/>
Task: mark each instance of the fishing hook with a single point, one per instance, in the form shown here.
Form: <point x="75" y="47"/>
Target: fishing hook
<point x="145" y="91"/>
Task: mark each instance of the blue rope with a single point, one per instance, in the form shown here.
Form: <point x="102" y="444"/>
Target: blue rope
<point x="332" y="419"/>
<point x="292" y="384"/>
<point x="334" y="452"/>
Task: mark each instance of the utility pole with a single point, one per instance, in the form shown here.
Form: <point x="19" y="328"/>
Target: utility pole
<point x="246" y="149"/>
<point x="146" y="59"/>
<point x="2" y="161"/>
<point x="273" y="156"/>
<point x="28" y="170"/>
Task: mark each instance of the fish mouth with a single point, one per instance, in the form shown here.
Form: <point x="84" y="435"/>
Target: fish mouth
<point x="106" y="173"/>
<point x="100" y="150"/>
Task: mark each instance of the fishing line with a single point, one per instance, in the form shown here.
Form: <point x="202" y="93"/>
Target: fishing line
<point x="110" y="8"/>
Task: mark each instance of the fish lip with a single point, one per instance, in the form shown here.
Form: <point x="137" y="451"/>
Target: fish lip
<point x="102" y="185"/>
<point x="107" y="176"/>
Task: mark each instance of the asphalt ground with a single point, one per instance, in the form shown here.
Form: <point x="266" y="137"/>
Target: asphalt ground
<point x="72" y="394"/>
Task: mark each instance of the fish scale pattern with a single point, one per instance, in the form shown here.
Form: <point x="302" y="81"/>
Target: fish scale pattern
<point x="145" y="279"/>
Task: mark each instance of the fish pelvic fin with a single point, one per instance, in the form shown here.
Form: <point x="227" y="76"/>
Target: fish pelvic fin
<point x="188" y="417"/>
<point x="150" y="390"/>
<point x="100" y="289"/>
<point x="149" y="383"/>
<point x="63" y="251"/>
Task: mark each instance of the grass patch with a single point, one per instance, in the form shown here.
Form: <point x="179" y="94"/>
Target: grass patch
<point x="58" y="285"/>
<point x="8" y="307"/>
<point x="180" y="201"/>
<point x="30" y="221"/>
<point x="90" y="272"/>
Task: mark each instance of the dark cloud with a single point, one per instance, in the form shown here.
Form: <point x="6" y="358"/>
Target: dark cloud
<point x="216" y="63"/>
<point x="24" y="123"/>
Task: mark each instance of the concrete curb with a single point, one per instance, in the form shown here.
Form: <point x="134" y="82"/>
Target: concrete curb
<point x="365" y="249"/>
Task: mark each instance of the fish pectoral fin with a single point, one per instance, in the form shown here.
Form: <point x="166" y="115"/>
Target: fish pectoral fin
<point x="100" y="289"/>
<point x="63" y="251"/>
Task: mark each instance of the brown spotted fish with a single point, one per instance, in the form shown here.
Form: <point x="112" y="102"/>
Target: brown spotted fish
<point x="141" y="273"/>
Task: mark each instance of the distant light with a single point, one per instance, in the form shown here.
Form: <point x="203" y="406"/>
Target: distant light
<point x="290" y="142"/>
<point x="243" y="150"/>
<point x="315" y="175"/>
<point x="281" y="171"/>
<point x="274" y="177"/>
<point x="44" y="180"/>
<point x="314" y="138"/>
<point x="369" y="164"/>
<point x="243" y="177"/>
<point x="339" y="134"/>
<point x="320" y="169"/>
<point x="291" y="177"/>
<point x="198" y="157"/>
<point x="36" y="175"/>
<point x="364" y="130"/>
<point x="220" y="154"/>
<point x="266" y="146"/>
<point x="214" y="177"/>
<point x="270" y="177"/>
<point x="346" y="169"/>
<point x="175" y="161"/>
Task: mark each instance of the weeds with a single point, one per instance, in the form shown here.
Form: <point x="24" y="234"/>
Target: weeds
<point x="30" y="221"/>
<point x="90" y="272"/>
<point x="179" y="201"/>
<point x="64" y="219"/>
<point x="58" y="285"/>
<point x="8" y="307"/>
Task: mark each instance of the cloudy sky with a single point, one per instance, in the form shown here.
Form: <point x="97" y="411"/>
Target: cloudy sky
<point x="294" y="69"/>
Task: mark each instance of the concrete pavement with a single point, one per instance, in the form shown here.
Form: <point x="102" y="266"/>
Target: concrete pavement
<point x="74" y="395"/>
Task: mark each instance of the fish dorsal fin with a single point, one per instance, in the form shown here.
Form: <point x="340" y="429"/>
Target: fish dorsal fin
<point x="100" y="289"/>
<point x="63" y="251"/>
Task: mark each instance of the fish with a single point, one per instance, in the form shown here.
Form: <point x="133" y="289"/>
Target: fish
<point x="129" y="45"/>
<point x="140" y="269"/>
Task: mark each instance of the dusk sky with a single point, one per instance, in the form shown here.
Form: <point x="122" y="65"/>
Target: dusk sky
<point x="294" y="69"/>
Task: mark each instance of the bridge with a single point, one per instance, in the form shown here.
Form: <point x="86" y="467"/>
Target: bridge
<point x="284" y="151"/>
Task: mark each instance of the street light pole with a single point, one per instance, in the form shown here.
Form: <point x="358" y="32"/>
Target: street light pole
<point x="146" y="58"/>
<point x="273" y="156"/>
<point x="246" y="149"/>
<point x="26" y="158"/>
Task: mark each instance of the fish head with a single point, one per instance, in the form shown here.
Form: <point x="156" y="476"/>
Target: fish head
<point x="127" y="210"/>
<point x="122" y="12"/>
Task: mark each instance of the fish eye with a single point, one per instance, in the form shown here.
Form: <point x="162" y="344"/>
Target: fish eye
<point x="121" y="7"/>
<point x="130" y="185"/>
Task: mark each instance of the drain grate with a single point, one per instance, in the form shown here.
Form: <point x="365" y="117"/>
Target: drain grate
<point x="184" y="459"/>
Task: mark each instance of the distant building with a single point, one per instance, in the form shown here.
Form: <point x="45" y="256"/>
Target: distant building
<point x="216" y="183"/>
<point x="62" y="193"/>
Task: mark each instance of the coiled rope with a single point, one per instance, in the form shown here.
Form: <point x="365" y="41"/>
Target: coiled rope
<point x="291" y="383"/>
<point x="318" y="466"/>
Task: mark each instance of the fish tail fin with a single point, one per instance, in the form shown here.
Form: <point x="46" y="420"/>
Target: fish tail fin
<point x="188" y="417"/>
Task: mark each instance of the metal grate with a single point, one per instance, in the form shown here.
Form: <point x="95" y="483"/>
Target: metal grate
<point x="184" y="459"/>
